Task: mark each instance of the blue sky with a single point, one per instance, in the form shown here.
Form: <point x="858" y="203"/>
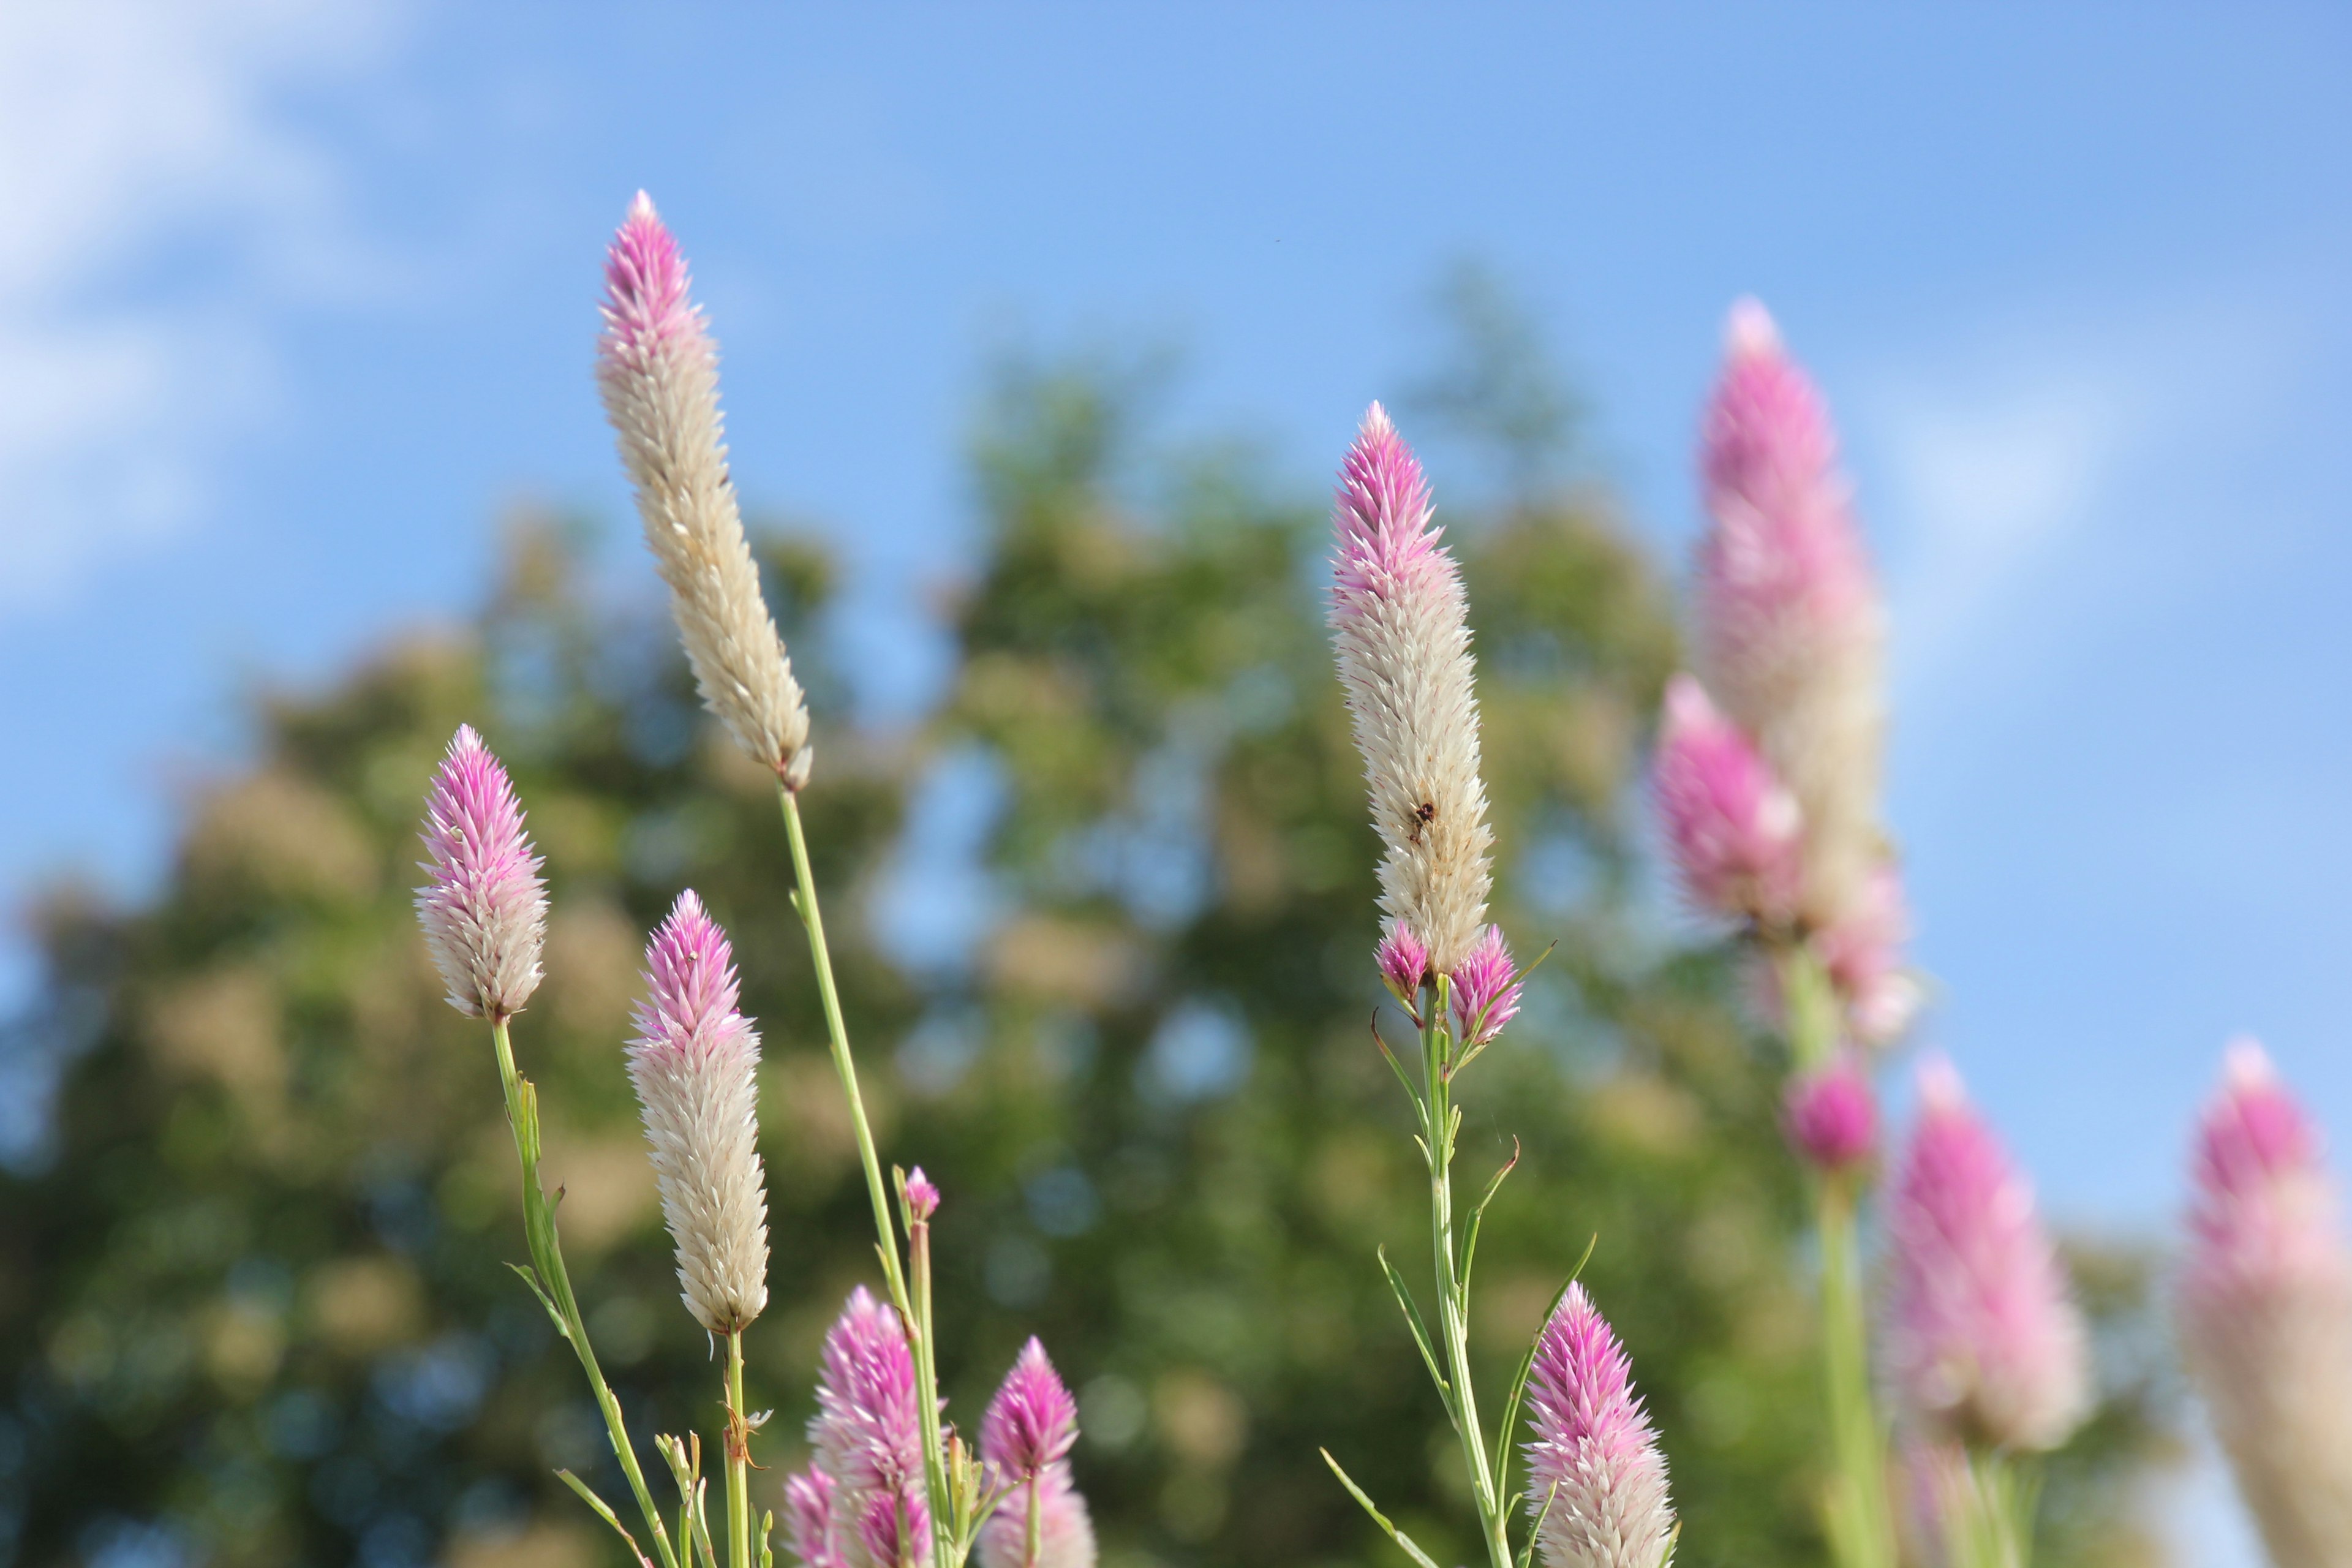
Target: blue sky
<point x="297" y="298"/>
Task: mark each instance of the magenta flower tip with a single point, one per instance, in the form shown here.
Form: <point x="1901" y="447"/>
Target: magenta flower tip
<point x="483" y="906"/>
<point x="1383" y="512"/>
<point x="1596" y="1479"/>
<point x="1033" y="1421"/>
<point x="922" y="1197"/>
<point x="808" y="1520"/>
<point x="2264" y="1211"/>
<point x="1735" y="834"/>
<point x="1486" y="987"/>
<point x="1403" y="961"/>
<point x="646" y="285"/>
<point x="1984" y="1342"/>
<point x="1830" y="1116"/>
<point x="691" y="972"/>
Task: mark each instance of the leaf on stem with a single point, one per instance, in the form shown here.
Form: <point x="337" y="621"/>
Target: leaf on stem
<point x="604" y="1513"/>
<point x="1478" y="1213"/>
<point x="1527" y="1553"/>
<point x="1399" y="1536"/>
<point x="531" y="1277"/>
<point x="1413" y="1091"/>
<point x="1420" y="1329"/>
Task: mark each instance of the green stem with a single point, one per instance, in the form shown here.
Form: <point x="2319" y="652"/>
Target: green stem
<point x="946" y="1527"/>
<point x="1452" y="1305"/>
<point x="547" y="1259"/>
<point x="738" y="1458"/>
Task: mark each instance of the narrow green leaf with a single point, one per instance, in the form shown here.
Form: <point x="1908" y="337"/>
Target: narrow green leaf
<point x="1411" y="1089"/>
<point x="1399" y="1536"/>
<point x="1420" y="1329"/>
<point x="1527" y="1365"/>
<point x="531" y="1279"/>
<point x="1527" y="1553"/>
<point x="1478" y="1213"/>
<point x="604" y="1513"/>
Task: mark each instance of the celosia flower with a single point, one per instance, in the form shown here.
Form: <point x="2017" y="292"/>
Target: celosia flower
<point x="922" y="1197"/>
<point x="1983" y="1340"/>
<point x="1025" y="1438"/>
<point x="1398" y="616"/>
<point x="1830" y="1116"/>
<point x="1735" y="834"/>
<point x="658" y="370"/>
<point x="695" y="1064"/>
<point x="1486" y="987"/>
<point x="867" y="1434"/>
<point x="1595" y="1477"/>
<point x="1862" y="953"/>
<point x="483" y="906"/>
<point x="2265" y="1311"/>
<point x="1789" y="627"/>
<point x="808" y="1520"/>
<point x="1404" y="962"/>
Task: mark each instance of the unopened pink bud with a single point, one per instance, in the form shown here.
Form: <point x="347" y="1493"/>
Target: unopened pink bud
<point x="922" y="1197"/>
<point x="1485" y="990"/>
<point x="1735" y="834"/>
<point x="1403" y="961"/>
<point x="1830" y="1116"/>
<point x="1596" y="1480"/>
<point x="1984" y="1342"/>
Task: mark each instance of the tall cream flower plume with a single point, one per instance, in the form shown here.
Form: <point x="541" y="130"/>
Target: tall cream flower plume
<point x="1399" y="618"/>
<point x="658" y="370"/>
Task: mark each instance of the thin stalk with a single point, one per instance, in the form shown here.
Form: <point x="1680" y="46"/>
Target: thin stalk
<point x="547" y="1259"/>
<point x="1452" y="1302"/>
<point x="1035" y="1545"/>
<point x="738" y="1458"/>
<point x="945" y="1526"/>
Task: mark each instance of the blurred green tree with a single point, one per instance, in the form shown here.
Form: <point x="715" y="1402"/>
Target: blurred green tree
<point x="1104" y="925"/>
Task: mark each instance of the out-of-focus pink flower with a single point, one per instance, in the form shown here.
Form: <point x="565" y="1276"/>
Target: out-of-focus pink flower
<point x="1830" y="1116"/>
<point x="867" y="1433"/>
<point x="2265" y="1312"/>
<point x="1025" y="1438"/>
<point x="1403" y="961"/>
<point x="694" y="1064"/>
<point x="808" y="1520"/>
<point x="1596" y="1480"/>
<point x="1864" y="955"/>
<point x="1735" y="834"/>
<point x="1487" y="989"/>
<point x="1789" y="629"/>
<point x="483" y="906"/>
<point x="923" y="1197"/>
<point x="1983" y="1340"/>
<point x="1399" y="619"/>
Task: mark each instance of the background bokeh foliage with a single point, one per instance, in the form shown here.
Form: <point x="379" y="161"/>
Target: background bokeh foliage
<point x="253" y="1301"/>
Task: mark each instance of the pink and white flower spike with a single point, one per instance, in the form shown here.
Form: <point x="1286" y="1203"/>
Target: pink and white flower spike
<point x="483" y="906"/>
<point x="1596" y="1480"/>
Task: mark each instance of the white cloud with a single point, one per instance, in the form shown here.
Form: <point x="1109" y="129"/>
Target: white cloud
<point x="132" y="131"/>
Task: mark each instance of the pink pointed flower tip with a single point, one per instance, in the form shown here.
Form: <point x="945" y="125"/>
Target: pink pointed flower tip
<point x="690" y="978"/>
<point x="646" y="306"/>
<point x="867" y="1431"/>
<point x="483" y="906"/>
<point x="1984" y="1342"/>
<point x="1386" y="538"/>
<point x="1404" y="962"/>
<point x="1862" y="951"/>
<point x="1596" y="1479"/>
<point x="922" y="1197"/>
<point x="1033" y="1421"/>
<point x="1734" y="833"/>
<point x="1830" y="1116"/>
<point x="808" y="1520"/>
<point x="2263" y="1209"/>
<point x="1767" y="444"/>
<point x="1486" y="987"/>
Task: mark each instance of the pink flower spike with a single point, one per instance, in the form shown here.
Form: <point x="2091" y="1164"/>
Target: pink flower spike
<point x="1033" y="1420"/>
<point x="483" y="906"/>
<point x="1595" y="1477"/>
<point x="646" y="305"/>
<point x="694" y="1066"/>
<point x="1862" y="953"/>
<point x="1984" y="1342"/>
<point x="1789" y="626"/>
<point x="922" y="1198"/>
<point x="1830" y="1116"/>
<point x="808" y="1520"/>
<point x="1404" y="962"/>
<point x="868" y="1433"/>
<point x="1065" y="1532"/>
<point x="1487" y="989"/>
<point x="2265" y="1312"/>
<point x="1399" y="625"/>
<point x="1735" y="834"/>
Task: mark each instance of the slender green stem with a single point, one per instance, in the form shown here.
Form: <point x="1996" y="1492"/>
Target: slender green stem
<point x="738" y="1458"/>
<point x="945" y="1526"/>
<point x="547" y="1259"/>
<point x="1035" y="1544"/>
<point x="944" y="1522"/>
<point x="1452" y="1304"/>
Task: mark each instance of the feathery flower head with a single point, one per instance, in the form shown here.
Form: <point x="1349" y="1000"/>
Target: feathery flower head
<point x="658" y="371"/>
<point x="1486" y="987"/>
<point x="1862" y="953"/>
<point x="1789" y="627"/>
<point x="2265" y="1312"/>
<point x="1595" y="1477"/>
<point x="1404" y="962"/>
<point x="867" y="1434"/>
<point x="808" y="1520"/>
<point x="1398" y="618"/>
<point x="694" y="1066"/>
<point x="1033" y="1420"/>
<point x="1065" y="1532"/>
<point x="1735" y="834"/>
<point x="1830" y="1116"/>
<point x="483" y="906"/>
<point x="922" y="1197"/>
<point x="1984" y="1342"/>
